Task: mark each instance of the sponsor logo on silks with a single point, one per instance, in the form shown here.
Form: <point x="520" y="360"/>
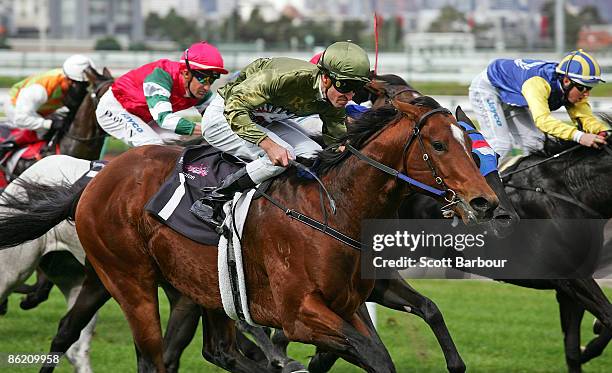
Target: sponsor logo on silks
<point x="132" y="122"/>
<point x="526" y="66"/>
<point x="198" y="169"/>
<point x="493" y="111"/>
<point x="480" y="147"/>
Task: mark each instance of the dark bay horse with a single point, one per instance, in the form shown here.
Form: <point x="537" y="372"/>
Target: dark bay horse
<point x="582" y="178"/>
<point x="84" y="139"/>
<point x="304" y="282"/>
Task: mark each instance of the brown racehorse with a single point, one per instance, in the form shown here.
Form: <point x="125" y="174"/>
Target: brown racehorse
<point x="300" y="280"/>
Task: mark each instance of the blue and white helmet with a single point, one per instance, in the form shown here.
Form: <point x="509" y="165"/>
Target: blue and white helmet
<point x="580" y="67"/>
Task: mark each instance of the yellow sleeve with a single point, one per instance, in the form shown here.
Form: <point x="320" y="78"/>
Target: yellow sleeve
<point x="536" y="91"/>
<point x="582" y="111"/>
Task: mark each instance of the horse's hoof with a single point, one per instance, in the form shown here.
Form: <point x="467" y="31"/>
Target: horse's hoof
<point x="597" y="327"/>
<point x="30" y="302"/>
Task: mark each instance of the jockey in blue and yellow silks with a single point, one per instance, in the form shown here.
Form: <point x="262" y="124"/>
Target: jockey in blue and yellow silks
<point x="513" y="101"/>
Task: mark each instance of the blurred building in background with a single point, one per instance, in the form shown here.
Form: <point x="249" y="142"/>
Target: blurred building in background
<point x="273" y="24"/>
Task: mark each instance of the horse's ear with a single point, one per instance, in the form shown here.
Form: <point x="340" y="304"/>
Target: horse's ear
<point x="462" y="117"/>
<point x="106" y="73"/>
<point x="91" y="75"/>
<point x="403" y="106"/>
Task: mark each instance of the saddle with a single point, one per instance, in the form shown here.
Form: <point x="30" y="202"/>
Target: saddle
<point x="198" y="169"/>
<point x="16" y="144"/>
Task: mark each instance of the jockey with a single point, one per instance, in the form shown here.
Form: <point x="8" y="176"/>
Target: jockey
<point x="252" y="117"/>
<point x="513" y="100"/>
<point x="140" y="107"/>
<point x="33" y="102"/>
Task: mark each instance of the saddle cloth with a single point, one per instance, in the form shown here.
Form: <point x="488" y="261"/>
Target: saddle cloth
<point x="198" y="167"/>
<point x="29" y="147"/>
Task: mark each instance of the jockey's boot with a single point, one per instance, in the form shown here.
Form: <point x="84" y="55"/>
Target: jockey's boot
<point x="205" y="207"/>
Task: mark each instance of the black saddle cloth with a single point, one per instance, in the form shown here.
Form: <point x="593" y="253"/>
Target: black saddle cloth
<point x="198" y="167"/>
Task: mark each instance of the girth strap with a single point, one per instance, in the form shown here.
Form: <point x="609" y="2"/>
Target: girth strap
<point x="313" y="223"/>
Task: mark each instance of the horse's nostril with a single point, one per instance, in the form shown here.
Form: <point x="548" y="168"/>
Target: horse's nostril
<point x="503" y="219"/>
<point x="480" y="204"/>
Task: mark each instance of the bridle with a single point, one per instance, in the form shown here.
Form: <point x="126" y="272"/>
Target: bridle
<point x="443" y="190"/>
<point x="415" y="135"/>
<point x="95" y="96"/>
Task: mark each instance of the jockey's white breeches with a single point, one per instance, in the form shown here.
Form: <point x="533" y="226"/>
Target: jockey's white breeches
<point x="504" y="129"/>
<point x="127" y="127"/>
<point x="285" y="132"/>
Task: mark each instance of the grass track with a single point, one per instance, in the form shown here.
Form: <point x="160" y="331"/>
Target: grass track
<point x="497" y="328"/>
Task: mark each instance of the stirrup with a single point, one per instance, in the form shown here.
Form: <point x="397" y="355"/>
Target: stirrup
<point x="205" y="212"/>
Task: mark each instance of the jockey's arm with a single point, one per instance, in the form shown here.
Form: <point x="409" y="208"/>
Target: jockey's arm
<point x="582" y="111"/>
<point x="29" y="100"/>
<point x="243" y="99"/>
<point x="536" y="91"/>
<point x="157" y="87"/>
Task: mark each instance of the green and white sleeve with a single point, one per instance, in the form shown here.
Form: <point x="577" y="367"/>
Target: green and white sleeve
<point x="157" y="87"/>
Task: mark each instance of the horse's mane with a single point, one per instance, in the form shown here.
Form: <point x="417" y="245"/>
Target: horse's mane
<point x="363" y="128"/>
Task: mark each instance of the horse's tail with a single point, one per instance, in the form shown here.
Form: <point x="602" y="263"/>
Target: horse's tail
<point x="27" y="216"/>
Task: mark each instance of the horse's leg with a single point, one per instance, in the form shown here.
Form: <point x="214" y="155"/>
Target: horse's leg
<point x="277" y="357"/>
<point x="92" y="296"/>
<point x="597" y="345"/>
<point x="397" y="294"/>
<point x="182" y="325"/>
<point x="135" y="289"/>
<point x="38" y="293"/>
<point x="3" y="307"/>
<point x="78" y="353"/>
<point x="220" y="344"/>
<point x="589" y="295"/>
<point x="316" y="324"/>
<point x="16" y="265"/>
<point x="571" y="315"/>
<point x="323" y="361"/>
<point x="249" y="349"/>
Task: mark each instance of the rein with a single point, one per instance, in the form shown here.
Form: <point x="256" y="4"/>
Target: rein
<point x="563" y="197"/>
<point x="339" y="236"/>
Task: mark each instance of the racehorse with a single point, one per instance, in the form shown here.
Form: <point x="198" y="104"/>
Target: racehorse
<point x="573" y="185"/>
<point x="312" y="307"/>
<point x="84" y="139"/>
<point x="394" y="293"/>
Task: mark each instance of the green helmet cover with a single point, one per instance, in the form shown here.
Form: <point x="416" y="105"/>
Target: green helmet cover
<point x="344" y="60"/>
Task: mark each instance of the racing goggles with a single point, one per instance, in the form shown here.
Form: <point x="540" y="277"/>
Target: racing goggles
<point x="205" y="77"/>
<point x="347" y="85"/>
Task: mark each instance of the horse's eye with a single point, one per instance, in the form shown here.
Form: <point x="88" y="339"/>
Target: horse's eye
<point x="438" y="146"/>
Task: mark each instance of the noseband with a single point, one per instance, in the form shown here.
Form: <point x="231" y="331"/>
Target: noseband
<point x="449" y="195"/>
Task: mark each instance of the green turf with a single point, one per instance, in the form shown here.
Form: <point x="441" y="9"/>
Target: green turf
<point x="497" y="328"/>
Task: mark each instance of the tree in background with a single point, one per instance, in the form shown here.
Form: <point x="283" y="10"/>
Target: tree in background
<point x="107" y="43"/>
<point x="449" y="20"/>
<point x="586" y="16"/>
<point x="172" y="27"/>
